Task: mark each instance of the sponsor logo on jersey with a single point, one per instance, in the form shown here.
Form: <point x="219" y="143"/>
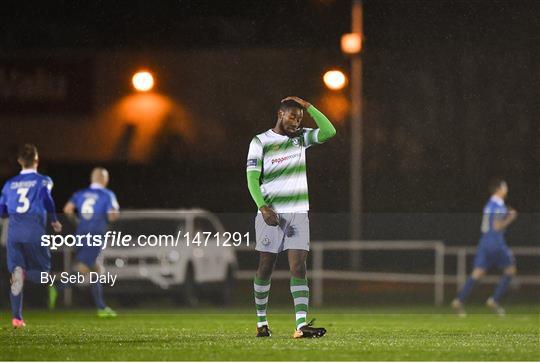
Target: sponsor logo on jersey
<point x="285" y="158"/>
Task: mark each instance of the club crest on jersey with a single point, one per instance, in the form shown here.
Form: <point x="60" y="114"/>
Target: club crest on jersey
<point x="296" y="141"/>
<point x="266" y="241"/>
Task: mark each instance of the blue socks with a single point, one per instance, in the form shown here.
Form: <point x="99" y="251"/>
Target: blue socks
<point x="501" y="287"/>
<point x="97" y="294"/>
<point x="16" y="305"/>
<point x="33" y="276"/>
<point x="95" y="288"/>
<point x="61" y="285"/>
<point x="16" y="300"/>
<point x="16" y="292"/>
<point x="466" y="289"/>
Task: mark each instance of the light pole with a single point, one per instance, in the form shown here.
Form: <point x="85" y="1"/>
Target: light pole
<point x="351" y="44"/>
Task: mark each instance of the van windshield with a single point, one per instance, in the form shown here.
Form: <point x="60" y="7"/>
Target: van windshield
<point x="149" y="225"/>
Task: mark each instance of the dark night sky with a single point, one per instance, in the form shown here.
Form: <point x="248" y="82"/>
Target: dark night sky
<point x="426" y="39"/>
<point x="308" y="23"/>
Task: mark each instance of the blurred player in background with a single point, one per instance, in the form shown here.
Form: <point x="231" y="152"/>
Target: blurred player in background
<point x="276" y="176"/>
<point x="492" y="249"/>
<point x="26" y="199"/>
<point x="94" y="207"/>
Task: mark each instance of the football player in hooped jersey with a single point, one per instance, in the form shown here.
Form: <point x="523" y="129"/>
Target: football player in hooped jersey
<point x="492" y="249"/>
<point x="95" y="207"/>
<point x="276" y="176"/>
<point x="26" y="199"/>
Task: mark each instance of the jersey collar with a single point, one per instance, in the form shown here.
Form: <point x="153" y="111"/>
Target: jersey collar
<point x="273" y="133"/>
<point x="28" y="171"/>
<point x="497" y="199"/>
<point x="96" y="186"/>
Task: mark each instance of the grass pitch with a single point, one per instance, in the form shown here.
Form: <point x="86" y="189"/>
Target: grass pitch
<point x="368" y="334"/>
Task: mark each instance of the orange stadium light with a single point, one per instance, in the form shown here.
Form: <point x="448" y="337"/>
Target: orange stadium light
<point x="143" y="81"/>
<point x="335" y="79"/>
<point x="351" y="43"/>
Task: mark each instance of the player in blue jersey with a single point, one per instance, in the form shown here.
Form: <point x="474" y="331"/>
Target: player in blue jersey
<point x="492" y="249"/>
<point x="26" y="200"/>
<point x="93" y="207"/>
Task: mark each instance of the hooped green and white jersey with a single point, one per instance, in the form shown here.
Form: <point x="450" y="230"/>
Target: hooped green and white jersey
<point x="282" y="163"/>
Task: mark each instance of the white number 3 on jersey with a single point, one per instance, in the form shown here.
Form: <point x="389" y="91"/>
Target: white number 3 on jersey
<point x="87" y="208"/>
<point x="23" y="199"/>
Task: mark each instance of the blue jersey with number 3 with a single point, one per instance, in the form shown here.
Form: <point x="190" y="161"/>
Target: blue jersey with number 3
<point x="93" y="205"/>
<point x="26" y="199"/>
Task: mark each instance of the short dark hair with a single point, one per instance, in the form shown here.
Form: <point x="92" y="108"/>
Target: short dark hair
<point x="27" y="155"/>
<point x="288" y="104"/>
<point x="495" y="184"/>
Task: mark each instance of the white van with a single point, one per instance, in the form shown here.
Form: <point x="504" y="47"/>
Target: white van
<point x="185" y="272"/>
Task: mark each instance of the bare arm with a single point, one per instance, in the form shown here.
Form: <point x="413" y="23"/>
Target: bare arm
<point x="503" y="223"/>
<point x="69" y="211"/>
<point x="113" y="215"/>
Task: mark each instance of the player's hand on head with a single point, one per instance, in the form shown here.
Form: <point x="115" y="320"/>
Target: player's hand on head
<point x="57" y="226"/>
<point x="269" y="215"/>
<point x="298" y="100"/>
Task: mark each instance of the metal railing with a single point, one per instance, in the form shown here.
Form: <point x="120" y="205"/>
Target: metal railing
<point x="317" y="273"/>
<point x="438" y="278"/>
<point x="461" y="253"/>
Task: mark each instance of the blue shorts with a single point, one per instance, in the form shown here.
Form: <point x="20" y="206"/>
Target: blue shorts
<point x="500" y="257"/>
<point x="29" y="256"/>
<point x="88" y="255"/>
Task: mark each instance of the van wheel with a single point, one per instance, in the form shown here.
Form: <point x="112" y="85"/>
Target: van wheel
<point x="188" y="293"/>
<point x="226" y="292"/>
<point x="129" y="300"/>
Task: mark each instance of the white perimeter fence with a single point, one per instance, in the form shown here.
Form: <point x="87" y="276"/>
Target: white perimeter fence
<point x="438" y="278"/>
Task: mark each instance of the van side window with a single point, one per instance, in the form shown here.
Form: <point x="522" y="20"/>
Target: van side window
<point x="204" y="225"/>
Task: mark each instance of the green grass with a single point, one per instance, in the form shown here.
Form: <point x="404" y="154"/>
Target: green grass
<point x="366" y="334"/>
